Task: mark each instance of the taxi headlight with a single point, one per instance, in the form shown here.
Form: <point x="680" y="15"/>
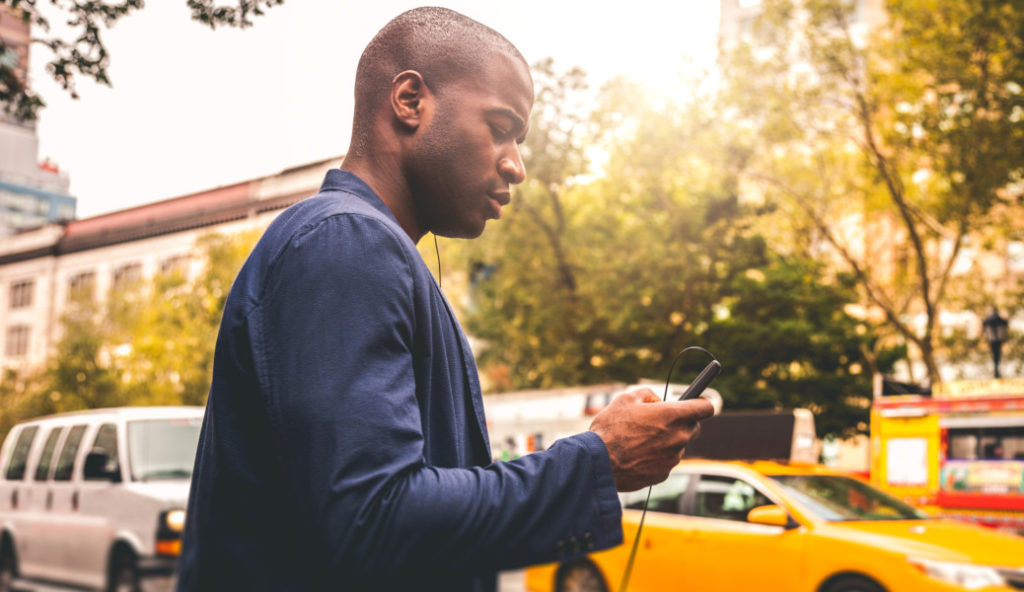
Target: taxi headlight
<point x="966" y="575"/>
<point x="175" y="520"/>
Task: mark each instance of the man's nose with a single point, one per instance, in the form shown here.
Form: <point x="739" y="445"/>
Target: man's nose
<point x="511" y="167"/>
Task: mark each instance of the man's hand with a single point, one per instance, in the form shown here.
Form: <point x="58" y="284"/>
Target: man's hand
<point x="646" y="437"/>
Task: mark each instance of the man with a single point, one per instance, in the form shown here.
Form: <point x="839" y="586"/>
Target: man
<point x="344" y="444"/>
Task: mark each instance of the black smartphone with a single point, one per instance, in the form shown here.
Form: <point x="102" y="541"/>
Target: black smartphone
<point x="703" y="380"/>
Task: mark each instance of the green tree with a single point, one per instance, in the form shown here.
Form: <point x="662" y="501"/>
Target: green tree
<point x="711" y="277"/>
<point x="77" y="376"/>
<point x="17" y="396"/>
<point x="169" y="337"/>
<point x="913" y="133"/>
<point x="788" y="342"/>
<point x="146" y="343"/>
<point x="80" y="375"/>
<point x="82" y="52"/>
<point x="593" y="278"/>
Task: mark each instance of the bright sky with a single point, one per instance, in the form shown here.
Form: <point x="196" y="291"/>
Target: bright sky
<point x="191" y="109"/>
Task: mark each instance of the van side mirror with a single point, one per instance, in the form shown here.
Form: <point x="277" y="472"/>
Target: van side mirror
<point x="98" y="467"/>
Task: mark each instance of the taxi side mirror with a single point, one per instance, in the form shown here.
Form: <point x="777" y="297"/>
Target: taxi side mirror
<point x="771" y="515"/>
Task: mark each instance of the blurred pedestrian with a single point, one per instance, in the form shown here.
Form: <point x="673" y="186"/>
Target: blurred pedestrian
<point x="344" y="445"/>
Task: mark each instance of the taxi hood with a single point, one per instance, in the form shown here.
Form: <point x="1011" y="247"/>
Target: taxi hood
<point x="945" y="540"/>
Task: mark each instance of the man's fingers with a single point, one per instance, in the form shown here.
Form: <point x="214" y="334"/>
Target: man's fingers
<point x="650" y="397"/>
<point x="645" y="436"/>
<point x="694" y="432"/>
<point x="691" y="411"/>
<point x="640" y="395"/>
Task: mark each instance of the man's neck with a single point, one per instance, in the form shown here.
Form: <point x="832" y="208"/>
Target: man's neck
<point x="384" y="176"/>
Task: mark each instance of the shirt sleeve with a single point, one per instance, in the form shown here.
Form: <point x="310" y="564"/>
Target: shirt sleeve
<point x="333" y="336"/>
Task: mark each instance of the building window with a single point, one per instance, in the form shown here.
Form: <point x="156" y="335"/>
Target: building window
<point x="175" y="264"/>
<point x="21" y="293"/>
<point x="1015" y="257"/>
<point x="17" y="341"/>
<point x="745" y="25"/>
<point x="9" y="58"/>
<point x="82" y="285"/>
<point x="65" y="212"/>
<point x="128" y="273"/>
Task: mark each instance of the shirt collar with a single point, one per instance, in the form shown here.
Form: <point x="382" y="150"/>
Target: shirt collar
<point x="346" y="181"/>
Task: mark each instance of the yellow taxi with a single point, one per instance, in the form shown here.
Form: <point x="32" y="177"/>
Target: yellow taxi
<point x="741" y="526"/>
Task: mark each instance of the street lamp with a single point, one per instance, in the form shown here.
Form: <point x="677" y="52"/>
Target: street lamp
<point x="995" y="327"/>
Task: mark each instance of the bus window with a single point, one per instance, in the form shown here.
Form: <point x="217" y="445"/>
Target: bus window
<point x="963" y="444"/>
<point x="997" y="443"/>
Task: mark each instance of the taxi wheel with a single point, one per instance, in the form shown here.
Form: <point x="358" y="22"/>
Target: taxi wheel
<point x="852" y="584"/>
<point x="579" y="576"/>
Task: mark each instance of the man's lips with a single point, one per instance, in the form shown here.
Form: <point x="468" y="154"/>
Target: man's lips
<point x="500" y="198"/>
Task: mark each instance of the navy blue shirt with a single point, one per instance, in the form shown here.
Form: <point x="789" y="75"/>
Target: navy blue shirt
<point x="344" y="444"/>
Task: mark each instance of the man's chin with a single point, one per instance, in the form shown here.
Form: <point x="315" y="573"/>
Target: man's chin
<point x="467" y="231"/>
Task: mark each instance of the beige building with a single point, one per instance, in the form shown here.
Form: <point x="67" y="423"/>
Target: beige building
<point x="41" y="268"/>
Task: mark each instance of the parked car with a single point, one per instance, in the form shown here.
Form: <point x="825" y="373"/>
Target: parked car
<point x="96" y="499"/>
<point x="724" y="525"/>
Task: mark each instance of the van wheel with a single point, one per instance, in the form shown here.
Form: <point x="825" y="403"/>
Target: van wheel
<point x="852" y="584"/>
<point x="579" y="576"/>
<point x="8" y="568"/>
<point x="124" y="575"/>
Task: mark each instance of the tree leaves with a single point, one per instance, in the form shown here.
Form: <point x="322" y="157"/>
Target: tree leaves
<point x="907" y="133"/>
<point x="82" y="52"/>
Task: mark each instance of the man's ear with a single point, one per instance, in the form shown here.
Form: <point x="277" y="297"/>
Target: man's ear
<point x="409" y="98"/>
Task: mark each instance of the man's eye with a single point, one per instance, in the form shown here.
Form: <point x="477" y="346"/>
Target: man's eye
<point x="499" y="131"/>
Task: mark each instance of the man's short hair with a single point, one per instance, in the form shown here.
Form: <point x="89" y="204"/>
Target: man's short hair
<point x="441" y="44"/>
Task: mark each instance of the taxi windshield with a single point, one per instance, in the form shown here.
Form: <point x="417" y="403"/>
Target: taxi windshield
<point x="836" y="498"/>
<point x="163" y="448"/>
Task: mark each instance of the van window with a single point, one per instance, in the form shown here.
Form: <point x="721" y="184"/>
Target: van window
<point x="66" y="460"/>
<point x="19" y="458"/>
<point x="163" y="448"/>
<point x="46" y="458"/>
<point x="106" y="441"/>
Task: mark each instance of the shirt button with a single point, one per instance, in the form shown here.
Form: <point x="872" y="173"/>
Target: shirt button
<point x="560" y="548"/>
<point x="574" y="545"/>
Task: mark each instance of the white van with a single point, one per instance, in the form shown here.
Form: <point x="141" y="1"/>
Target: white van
<point x="96" y="499"/>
